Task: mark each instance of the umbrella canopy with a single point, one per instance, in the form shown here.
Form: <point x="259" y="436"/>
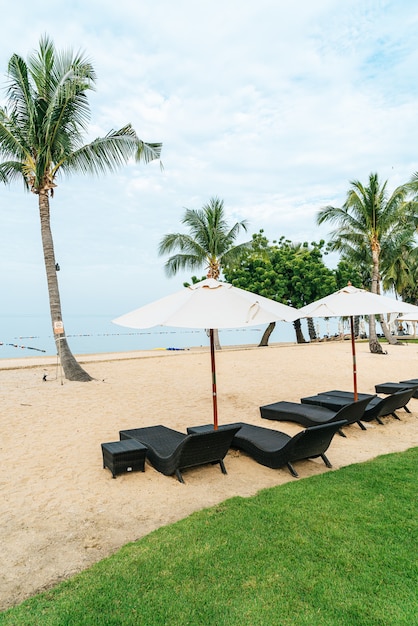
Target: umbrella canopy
<point x="209" y="304"/>
<point x="349" y="302"/>
<point x="408" y="317"/>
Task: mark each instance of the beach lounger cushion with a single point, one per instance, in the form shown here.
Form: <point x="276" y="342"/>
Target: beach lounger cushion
<point x="377" y="407"/>
<point x="313" y="415"/>
<point x="389" y="388"/>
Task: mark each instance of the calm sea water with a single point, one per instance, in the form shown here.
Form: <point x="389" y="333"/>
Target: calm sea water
<point x="31" y="335"/>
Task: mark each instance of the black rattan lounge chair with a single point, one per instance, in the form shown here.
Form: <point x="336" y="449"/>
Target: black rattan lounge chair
<point x="389" y="388"/>
<point x="310" y="415"/>
<point x="275" y="449"/>
<point x="376" y="408"/>
<point x="412" y="381"/>
<point x="388" y="406"/>
<point x="170" y="451"/>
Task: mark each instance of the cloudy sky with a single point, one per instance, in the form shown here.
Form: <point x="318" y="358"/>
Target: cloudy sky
<point x="272" y="106"/>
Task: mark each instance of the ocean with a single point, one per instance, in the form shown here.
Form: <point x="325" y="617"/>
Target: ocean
<point x="31" y="335"/>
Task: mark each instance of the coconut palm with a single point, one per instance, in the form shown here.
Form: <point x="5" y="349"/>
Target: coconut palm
<point x="370" y="221"/>
<point x="209" y="244"/>
<point x="41" y="137"/>
<point x="409" y="290"/>
<point x="399" y="264"/>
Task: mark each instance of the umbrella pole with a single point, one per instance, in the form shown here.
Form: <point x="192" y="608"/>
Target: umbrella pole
<point x="212" y="360"/>
<point x="353" y="350"/>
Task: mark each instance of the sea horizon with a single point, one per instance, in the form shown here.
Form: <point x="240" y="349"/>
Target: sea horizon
<point x="31" y="334"/>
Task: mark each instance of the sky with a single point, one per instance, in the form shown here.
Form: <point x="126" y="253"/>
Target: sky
<point x="271" y="106"/>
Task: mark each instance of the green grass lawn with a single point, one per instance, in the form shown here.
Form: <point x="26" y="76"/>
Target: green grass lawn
<point x="403" y="339"/>
<point x="335" y="549"/>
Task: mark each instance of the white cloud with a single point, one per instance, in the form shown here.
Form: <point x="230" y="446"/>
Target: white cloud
<point x="272" y="106"/>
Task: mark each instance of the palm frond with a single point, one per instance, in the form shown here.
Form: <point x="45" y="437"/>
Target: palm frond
<point x="103" y="154"/>
<point x="182" y="242"/>
<point x="19" y="91"/>
<point x="181" y="261"/>
<point x="210" y="241"/>
<point x="148" y="152"/>
<point x="12" y="140"/>
<point x="49" y="115"/>
<point x="11" y="171"/>
<point x="236" y="228"/>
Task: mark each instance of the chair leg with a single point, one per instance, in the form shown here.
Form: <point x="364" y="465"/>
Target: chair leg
<point x="362" y="426"/>
<point x="179" y="476"/>
<point x="379" y="421"/>
<point x="341" y="433"/>
<point x="223" y="468"/>
<point x="325" y="460"/>
<point x="406" y="409"/>
<point x="292" y="470"/>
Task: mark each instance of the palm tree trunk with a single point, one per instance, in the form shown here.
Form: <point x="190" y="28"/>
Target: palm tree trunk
<point x="388" y="335"/>
<point x="72" y="369"/>
<point x="356" y="326"/>
<point x="298" y="330"/>
<point x="266" y="335"/>
<point x="374" y="345"/>
<point x="311" y="330"/>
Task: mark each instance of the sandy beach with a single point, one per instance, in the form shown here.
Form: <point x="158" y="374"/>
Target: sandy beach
<point x="61" y="511"/>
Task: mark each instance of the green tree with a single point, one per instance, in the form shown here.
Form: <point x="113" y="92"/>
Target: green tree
<point x="347" y="272"/>
<point x="254" y="271"/>
<point x="293" y="274"/>
<point x="369" y="221"/>
<point x="194" y="281"/>
<point x="41" y="137"/>
<point x="307" y="276"/>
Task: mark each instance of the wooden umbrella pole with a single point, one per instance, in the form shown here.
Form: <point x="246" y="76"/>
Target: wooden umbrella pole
<point x="213" y="365"/>
<point x="353" y="350"/>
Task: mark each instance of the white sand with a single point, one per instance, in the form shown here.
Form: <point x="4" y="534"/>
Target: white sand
<point x="61" y="511"/>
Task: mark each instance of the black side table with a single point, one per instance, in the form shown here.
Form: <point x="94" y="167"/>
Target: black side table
<point x="124" y="456"/>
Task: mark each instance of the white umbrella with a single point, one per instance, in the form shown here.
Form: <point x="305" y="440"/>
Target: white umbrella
<point x="349" y="302"/>
<point x="209" y="304"/>
<point x="408" y="317"/>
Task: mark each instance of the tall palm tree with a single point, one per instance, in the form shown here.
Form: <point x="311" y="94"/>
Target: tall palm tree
<point x="369" y="221"/>
<point x="399" y="264"/>
<point x="409" y="288"/>
<point x="209" y="243"/>
<point x="41" y="137"/>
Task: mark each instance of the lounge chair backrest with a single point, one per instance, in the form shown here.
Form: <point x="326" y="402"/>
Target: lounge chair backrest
<point x="392" y="402"/>
<point x="170" y="451"/>
<point x="207" y="447"/>
<point x="354" y="411"/>
<point x="312" y="442"/>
